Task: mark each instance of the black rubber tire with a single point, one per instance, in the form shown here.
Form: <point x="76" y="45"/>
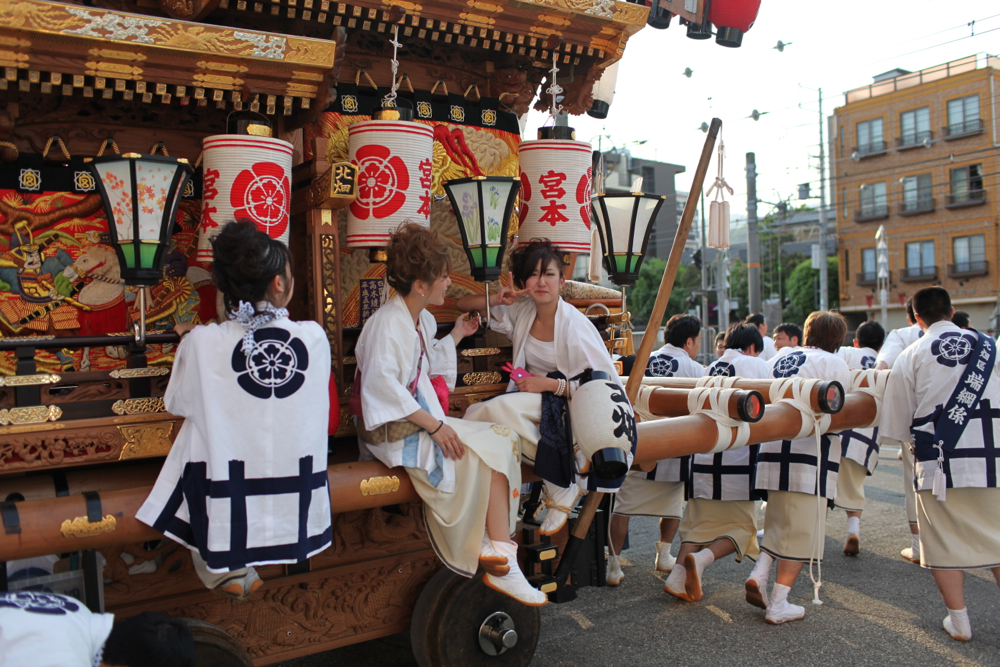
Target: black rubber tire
<point x="216" y="648"/>
<point x="444" y="631"/>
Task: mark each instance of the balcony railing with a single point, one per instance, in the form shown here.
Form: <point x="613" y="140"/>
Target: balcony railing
<point x="968" y="198"/>
<point x="916" y="206"/>
<point x="869" y="213"/>
<point x="867" y="279"/>
<point x="914" y="139"/>
<point x="874" y="148"/>
<point x="915" y="274"/>
<point x="968" y="269"/>
<point x="966" y="129"/>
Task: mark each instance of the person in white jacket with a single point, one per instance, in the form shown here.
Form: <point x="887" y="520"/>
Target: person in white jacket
<point x="758" y="321"/>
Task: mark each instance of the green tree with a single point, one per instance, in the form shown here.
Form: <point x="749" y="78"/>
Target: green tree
<point x="642" y="295"/>
<point x="803" y="287"/>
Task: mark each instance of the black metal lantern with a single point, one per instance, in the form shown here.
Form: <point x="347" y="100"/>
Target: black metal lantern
<point x="141" y="194"/>
<point x="624" y="222"/>
<point x="483" y="206"/>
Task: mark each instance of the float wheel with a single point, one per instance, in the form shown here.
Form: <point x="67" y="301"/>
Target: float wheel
<point x="216" y="648"/>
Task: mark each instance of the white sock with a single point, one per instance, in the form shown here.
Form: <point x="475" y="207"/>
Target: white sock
<point x="779" y="595"/>
<point x="677" y="577"/>
<point x="854" y="525"/>
<point x="706" y="556"/>
<point x="960" y="621"/>
<point x="915" y="543"/>
<point x="763" y="567"/>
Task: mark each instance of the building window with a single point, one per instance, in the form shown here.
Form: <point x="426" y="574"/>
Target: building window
<point x="914" y="127"/>
<point x="843" y="200"/>
<point x="847" y="265"/>
<point x="969" y="255"/>
<point x="963" y="116"/>
<point x="648" y="179"/>
<point x="871" y="138"/>
<point x="966" y="186"/>
<point x="918" y="194"/>
<point x="873" y="201"/>
<point x="869" y="268"/>
<point x="920" y="261"/>
<point x="841" y="137"/>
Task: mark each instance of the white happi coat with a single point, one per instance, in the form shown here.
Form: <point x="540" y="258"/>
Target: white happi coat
<point x="896" y="341"/>
<point x="769" y="352"/>
<point x="245" y="482"/>
<point x="859" y="444"/>
<point x="671" y="361"/>
<point x="922" y="381"/>
<point x="387" y="352"/>
<point x="577" y="343"/>
<point x="791" y="465"/>
<point x="728" y="475"/>
<point x="50" y="630"/>
<point x="786" y="350"/>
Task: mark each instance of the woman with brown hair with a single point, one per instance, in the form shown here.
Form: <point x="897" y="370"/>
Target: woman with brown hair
<point x="791" y="474"/>
<point x="467" y="473"/>
<point x="556" y="344"/>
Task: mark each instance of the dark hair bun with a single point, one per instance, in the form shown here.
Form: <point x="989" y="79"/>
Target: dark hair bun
<point x="245" y="261"/>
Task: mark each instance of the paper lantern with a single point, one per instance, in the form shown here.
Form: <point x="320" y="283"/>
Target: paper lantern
<point x="555" y="192"/>
<point x="624" y="221"/>
<point x="395" y="162"/>
<point x="603" y="424"/>
<point x="483" y="206"/>
<point x="604" y="92"/>
<point x="245" y="178"/>
<point x="732" y="18"/>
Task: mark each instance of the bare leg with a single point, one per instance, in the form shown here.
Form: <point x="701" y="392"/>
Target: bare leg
<point x="951" y="584"/>
<point x="913" y="529"/>
<point x="851" y="514"/>
<point x="687" y="549"/>
<point x="619" y="531"/>
<point x="722" y="547"/>
<point x="788" y="572"/>
<point x="668" y="529"/>
<point x="498" y="512"/>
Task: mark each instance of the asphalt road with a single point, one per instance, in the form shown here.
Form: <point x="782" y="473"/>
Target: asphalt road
<point x="878" y="610"/>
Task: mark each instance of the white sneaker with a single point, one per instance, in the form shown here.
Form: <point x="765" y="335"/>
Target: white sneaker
<point x="665" y="561"/>
<point x="675" y="584"/>
<point x="513" y="583"/>
<point x="559" y="504"/>
<point x="962" y="635"/>
<point x="911" y="555"/>
<point x="783" y="612"/>
<point x="491" y="561"/>
<point x="614" y="574"/>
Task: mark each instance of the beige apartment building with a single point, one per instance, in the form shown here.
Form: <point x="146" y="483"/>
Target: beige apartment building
<point x="917" y="152"/>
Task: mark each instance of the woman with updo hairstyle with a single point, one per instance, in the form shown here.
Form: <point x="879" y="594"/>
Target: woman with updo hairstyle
<point x="555" y="343"/>
<point x="467" y="473"/>
<point x="253" y="391"/>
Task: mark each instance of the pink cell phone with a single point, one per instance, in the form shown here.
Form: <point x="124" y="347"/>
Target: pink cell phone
<point x="515" y="373"/>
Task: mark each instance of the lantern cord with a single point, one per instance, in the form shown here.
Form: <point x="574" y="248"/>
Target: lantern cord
<point x="720" y="180"/>
<point x="554" y="88"/>
<point x="390" y="99"/>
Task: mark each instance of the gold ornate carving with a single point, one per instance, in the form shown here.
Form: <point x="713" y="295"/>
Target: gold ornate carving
<point x="28" y="380"/>
<point x="138" y="406"/>
<point x="36" y="414"/>
<point x="350" y="361"/>
<point x="145" y="440"/>
<point x="473" y="379"/>
<point x="480" y="351"/>
<point x="377" y="486"/>
<point x="46" y="446"/>
<point x="127" y="373"/>
<point x="81" y="527"/>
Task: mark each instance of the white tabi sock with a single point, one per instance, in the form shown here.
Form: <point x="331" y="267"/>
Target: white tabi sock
<point x="763" y="567"/>
<point x="779" y="595"/>
<point x="854" y="525"/>
<point x="958" y="625"/>
<point x="675" y="582"/>
<point x="705" y="556"/>
<point x="915" y="545"/>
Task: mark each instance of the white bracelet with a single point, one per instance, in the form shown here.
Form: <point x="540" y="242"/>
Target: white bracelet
<point x="561" y="389"/>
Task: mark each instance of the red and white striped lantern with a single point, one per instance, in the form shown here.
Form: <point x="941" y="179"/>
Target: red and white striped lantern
<point x="245" y="178"/>
<point x="555" y="192"/>
<point x="395" y="167"/>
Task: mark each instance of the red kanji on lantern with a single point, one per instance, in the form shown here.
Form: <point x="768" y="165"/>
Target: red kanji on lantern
<point x="551" y="183"/>
<point x="209" y="193"/>
<point x="426" y="176"/>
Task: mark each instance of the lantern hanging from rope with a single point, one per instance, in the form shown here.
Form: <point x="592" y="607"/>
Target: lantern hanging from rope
<point x="718" y="210"/>
<point x="604" y="92"/>
<point x="732" y="18"/>
<point x="395" y="161"/>
<point x="247" y="176"/>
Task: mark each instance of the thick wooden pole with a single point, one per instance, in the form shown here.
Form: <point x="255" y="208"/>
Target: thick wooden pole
<point x="673" y="263"/>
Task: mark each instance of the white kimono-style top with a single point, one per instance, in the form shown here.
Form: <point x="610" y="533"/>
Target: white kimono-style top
<point x="859" y="444"/>
<point x="862" y="358"/>
<point x="769" y="352"/>
<point x="734" y="363"/>
<point x="896" y="341"/>
<point x="388" y="352"/>
<point x="50" y="630"/>
<point x="922" y="381"/>
<point x="245" y="482"/>
<point x="671" y="361"/>
<point x="578" y="345"/>
<point x="792" y="465"/>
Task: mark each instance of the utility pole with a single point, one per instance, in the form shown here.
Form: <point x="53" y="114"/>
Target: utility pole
<point x="753" y="245"/>
<point x="824" y="266"/>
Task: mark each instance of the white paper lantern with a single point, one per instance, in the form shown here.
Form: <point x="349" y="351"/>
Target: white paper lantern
<point x="604" y="92"/>
<point x="395" y="167"/>
<point x="555" y="192"/>
<point x="603" y="424"/>
<point x="247" y="178"/>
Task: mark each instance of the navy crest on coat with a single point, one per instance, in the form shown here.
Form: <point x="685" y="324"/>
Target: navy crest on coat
<point x="788" y="365"/>
<point x="953" y="348"/>
<point x="274" y="366"/>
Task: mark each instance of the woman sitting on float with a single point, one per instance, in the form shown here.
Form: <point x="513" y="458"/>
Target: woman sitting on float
<point x="560" y="348"/>
<point x="468" y="474"/>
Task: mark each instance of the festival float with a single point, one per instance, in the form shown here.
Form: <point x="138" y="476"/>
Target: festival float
<point x="130" y="131"/>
